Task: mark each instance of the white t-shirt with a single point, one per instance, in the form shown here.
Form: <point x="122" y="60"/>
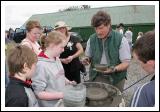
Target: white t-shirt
<point x="128" y="34"/>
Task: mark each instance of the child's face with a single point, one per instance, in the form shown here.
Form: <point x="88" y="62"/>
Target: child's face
<point x="148" y="66"/>
<point x="58" y="49"/>
<point x="30" y="71"/>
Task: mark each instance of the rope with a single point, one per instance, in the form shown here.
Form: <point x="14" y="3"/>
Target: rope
<point x="136" y="82"/>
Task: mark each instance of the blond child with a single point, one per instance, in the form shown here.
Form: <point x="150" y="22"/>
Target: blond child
<point x="49" y="80"/>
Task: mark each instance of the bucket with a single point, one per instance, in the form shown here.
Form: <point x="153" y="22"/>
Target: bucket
<point x="74" y="95"/>
<point x="103" y="95"/>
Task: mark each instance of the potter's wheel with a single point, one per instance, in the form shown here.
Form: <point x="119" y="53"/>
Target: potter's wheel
<point x="95" y="93"/>
<point x="102" y="95"/>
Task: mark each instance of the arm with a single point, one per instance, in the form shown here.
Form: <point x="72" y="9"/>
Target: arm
<point x="44" y="95"/>
<point x="69" y="82"/>
<point x="40" y="82"/>
<point x="86" y="60"/>
<point x="118" y="68"/>
<point x="77" y="54"/>
<point x="124" y="56"/>
<point x="122" y="66"/>
<point x="79" y="51"/>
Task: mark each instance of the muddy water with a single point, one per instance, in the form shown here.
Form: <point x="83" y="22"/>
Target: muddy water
<point x="102" y="95"/>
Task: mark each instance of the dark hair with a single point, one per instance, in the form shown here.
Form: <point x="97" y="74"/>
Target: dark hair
<point x="144" y="47"/>
<point x="117" y="26"/>
<point x="121" y="24"/>
<point x="130" y="28"/>
<point x="100" y="18"/>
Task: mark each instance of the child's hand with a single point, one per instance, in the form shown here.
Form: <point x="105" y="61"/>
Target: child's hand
<point x="73" y="82"/>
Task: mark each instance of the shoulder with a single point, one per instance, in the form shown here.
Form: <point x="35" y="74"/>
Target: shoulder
<point x="26" y="42"/>
<point x="75" y="37"/>
<point x="116" y="34"/>
<point x="16" y="89"/>
<point x="148" y="87"/>
<point x="16" y="95"/>
<point x="144" y="96"/>
<point x="93" y="35"/>
<point x="115" y="37"/>
<point x="144" y="88"/>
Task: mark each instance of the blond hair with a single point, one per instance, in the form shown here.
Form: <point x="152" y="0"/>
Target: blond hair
<point x="18" y="56"/>
<point x="42" y="41"/>
<point x="54" y="37"/>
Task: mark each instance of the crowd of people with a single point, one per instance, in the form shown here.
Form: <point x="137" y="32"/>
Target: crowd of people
<point x="39" y="68"/>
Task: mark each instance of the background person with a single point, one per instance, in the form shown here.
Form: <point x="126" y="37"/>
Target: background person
<point x="72" y="50"/>
<point x="140" y="34"/>
<point x="34" y="32"/>
<point x="128" y="34"/>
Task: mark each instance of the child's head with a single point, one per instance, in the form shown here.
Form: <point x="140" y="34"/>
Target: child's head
<point x="144" y="51"/>
<point x="54" y="43"/>
<point x="21" y="59"/>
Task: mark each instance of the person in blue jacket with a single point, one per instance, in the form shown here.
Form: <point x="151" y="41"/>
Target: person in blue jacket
<point x="144" y="52"/>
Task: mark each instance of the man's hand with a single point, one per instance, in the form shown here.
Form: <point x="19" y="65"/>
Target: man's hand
<point x="110" y="70"/>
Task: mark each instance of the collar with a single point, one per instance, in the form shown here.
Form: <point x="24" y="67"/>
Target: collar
<point x="41" y="54"/>
<point x="26" y="83"/>
<point x="153" y="78"/>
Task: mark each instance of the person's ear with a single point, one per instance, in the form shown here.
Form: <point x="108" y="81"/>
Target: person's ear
<point x="151" y="62"/>
<point x="25" y="67"/>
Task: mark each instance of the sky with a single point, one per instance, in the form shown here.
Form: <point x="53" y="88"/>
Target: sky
<point x="17" y="13"/>
<point x="14" y="14"/>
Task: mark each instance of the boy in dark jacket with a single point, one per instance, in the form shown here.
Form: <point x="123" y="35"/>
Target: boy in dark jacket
<point x="19" y="93"/>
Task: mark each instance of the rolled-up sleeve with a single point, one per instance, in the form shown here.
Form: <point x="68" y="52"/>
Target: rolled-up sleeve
<point x="88" y="51"/>
<point x="39" y="80"/>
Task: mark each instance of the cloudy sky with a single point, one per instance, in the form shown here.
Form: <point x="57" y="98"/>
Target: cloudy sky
<point x="16" y="13"/>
